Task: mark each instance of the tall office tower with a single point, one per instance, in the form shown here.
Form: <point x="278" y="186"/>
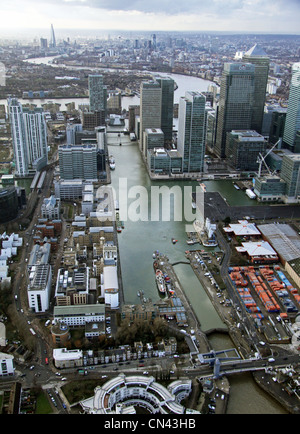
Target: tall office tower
<point x="78" y="161"/>
<point x="53" y="40"/>
<point x="98" y="94"/>
<point x="292" y="123"/>
<point x="192" y="131"/>
<point x="167" y="106"/>
<point x="260" y="59"/>
<point x="154" y="41"/>
<point x="29" y="136"/>
<point x="236" y="99"/>
<point x="150" y="109"/>
<point x="44" y="43"/>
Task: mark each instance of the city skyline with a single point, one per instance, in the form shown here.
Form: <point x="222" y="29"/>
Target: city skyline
<point x="217" y="15"/>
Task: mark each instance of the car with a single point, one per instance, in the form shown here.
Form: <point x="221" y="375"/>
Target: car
<point x="145" y="373"/>
<point x="32" y="367"/>
<point x="116" y="369"/>
<point x="103" y="376"/>
<point x="63" y="379"/>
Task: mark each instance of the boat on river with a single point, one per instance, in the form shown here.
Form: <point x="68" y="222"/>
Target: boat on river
<point x="160" y="282"/>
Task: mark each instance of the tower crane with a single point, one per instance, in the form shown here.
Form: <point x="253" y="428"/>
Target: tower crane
<point x="261" y="159"/>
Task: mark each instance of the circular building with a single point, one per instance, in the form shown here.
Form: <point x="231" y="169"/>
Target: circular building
<point x="8" y="204"/>
<point x="122" y="394"/>
<point x="60" y="334"/>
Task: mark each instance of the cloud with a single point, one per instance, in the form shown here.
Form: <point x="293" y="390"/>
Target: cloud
<point x="276" y="16"/>
<point x="174" y="7"/>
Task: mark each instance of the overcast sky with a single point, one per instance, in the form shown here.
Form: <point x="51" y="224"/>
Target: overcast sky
<point x="267" y="16"/>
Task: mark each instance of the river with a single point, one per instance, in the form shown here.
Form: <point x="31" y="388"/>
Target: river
<point x="140" y="239"/>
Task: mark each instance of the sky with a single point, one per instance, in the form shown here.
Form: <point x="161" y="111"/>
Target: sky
<point x="257" y="16"/>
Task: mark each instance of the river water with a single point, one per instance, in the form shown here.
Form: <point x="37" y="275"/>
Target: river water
<point x="140" y="239"/>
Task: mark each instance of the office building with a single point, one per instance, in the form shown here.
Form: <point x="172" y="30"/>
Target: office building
<point x="39" y="287"/>
<point x="78" y="161"/>
<point x="154" y="138"/>
<point x="53" y="39"/>
<point x="8" y="204"/>
<point x="29" y="136"/>
<point x="211" y="128"/>
<point x="269" y="188"/>
<point x="236" y="100"/>
<point x="261" y="61"/>
<point x="277" y="125"/>
<point x="98" y="94"/>
<point x="73" y="286"/>
<point x="290" y="173"/>
<point x="150" y="109"/>
<point x="292" y="123"/>
<point x="50" y="208"/>
<point x="192" y="131"/>
<point x="243" y="148"/>
<point x="167" y="104"/>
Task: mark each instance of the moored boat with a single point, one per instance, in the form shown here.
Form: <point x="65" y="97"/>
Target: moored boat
<point x="160" y="281"/>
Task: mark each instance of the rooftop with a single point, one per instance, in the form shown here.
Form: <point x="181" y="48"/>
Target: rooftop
<point x="256" y="51"/>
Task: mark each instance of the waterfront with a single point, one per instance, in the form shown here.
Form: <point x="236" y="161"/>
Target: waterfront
<point x="139" y="240"/>
<point x="137" y="243"/>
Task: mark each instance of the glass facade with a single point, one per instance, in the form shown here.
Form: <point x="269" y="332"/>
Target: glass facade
<point x="8" y="204"/>
<point x="192" y="131"/>
<point x="236" y="102"/>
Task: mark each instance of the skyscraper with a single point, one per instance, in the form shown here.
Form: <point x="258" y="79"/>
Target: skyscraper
<point x="53" y="40"/>
<point x="192" y="131"/>
<point x="167" y="106"/>
<point x="236" y="102"/>
<point x="29" y="136"/>
<point x="150" y="109"/>
<point x="292" y="123"/>
<point x="260" y="59"/>
<point x="98" y="94"/>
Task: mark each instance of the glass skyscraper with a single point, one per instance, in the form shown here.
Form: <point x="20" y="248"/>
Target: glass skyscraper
<point x="236" y="102"/>
<point x="150" y="109"/>
<point x="292" y="123"/>
<point x="192" y="131"/>
<point x="261" y="61"/>
<point x="167" y="106"/>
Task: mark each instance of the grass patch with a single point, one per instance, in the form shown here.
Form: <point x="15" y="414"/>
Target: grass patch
<point x="43" y="405"/>
<point x="78" y="390"/>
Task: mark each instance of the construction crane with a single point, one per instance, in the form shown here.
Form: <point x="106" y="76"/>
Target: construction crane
<point x="261" y="159"/>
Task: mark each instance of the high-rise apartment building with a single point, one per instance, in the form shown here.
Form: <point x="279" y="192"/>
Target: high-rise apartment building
<point x="236" y="102"/>
<point x="150" y="109"/>
<point x="29" y="136"/>
<point x="98" y="94"/>
<point x="167" y="106"/>
<point x="292" y="123"/>
<point x="261" y="61"/>
<point x="192" y="131"/>
<point x="78" y="161"/>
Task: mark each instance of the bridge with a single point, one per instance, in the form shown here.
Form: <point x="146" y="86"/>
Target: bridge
<point x="219" y="367"/>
